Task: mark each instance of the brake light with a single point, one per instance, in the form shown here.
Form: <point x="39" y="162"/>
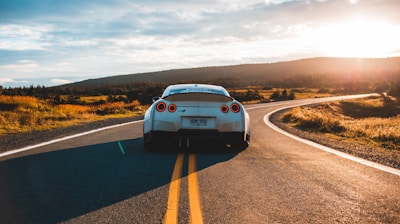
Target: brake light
<point x="161" y="106"/>
<point x="172" y="108"/>
<point x="224" y="108"/>
<point x="235" y="108"/>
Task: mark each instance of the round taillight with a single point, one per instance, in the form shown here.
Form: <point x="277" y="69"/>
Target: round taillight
<point x="235" y="108"/>
<point x="224" y="108"/>
<point x="161" y="106"/>
<point x="172" y="108"/>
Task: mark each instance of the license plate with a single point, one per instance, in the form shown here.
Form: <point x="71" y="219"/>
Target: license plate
<point x="198" y="122"/>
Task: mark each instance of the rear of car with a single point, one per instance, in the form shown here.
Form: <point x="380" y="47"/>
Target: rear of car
<point x="191" y="111"/>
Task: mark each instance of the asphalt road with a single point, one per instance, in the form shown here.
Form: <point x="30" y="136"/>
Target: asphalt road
<point x="107" y="177"/>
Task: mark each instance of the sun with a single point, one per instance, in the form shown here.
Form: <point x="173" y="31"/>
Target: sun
<point x="358" y="38"/>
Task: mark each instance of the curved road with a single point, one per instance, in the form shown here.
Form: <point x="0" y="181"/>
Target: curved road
<point x="107" y="177"/>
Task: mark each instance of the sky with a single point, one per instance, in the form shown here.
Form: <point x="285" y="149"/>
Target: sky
<point x="54" y="42"/>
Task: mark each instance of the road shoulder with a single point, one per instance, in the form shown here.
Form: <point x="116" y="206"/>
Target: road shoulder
<point x="18" y="140"/>
<point x="385" y="157"/>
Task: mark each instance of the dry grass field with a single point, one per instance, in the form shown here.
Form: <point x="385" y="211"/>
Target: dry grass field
<point x="24" y="113"/>
<point x="374" y="121"/>
<point x="300" y="93"/>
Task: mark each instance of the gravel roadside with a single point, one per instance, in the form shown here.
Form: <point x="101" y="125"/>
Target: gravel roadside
<point x="376" y="154"/>
<point x="19" y="140"/>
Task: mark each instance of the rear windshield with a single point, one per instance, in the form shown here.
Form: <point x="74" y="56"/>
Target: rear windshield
<point x="199" y="97"/>
<point x="196" y="90"/>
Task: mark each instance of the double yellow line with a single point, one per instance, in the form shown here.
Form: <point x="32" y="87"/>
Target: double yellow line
<point x="171" y="214"/>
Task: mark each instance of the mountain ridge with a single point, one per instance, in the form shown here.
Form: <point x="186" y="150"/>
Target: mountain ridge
<point x="368" y="69"/>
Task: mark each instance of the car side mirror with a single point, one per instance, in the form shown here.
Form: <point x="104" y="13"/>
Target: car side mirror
<point x="155" y="98"/>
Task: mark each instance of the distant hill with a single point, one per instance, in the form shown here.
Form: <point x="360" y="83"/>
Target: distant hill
<point x="349" y="69"/>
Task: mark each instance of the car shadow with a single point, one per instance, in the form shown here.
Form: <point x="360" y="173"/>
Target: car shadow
<point x="57" y="186"/>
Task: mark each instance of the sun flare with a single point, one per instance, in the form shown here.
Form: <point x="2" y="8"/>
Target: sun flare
<point x="358" y="38"/>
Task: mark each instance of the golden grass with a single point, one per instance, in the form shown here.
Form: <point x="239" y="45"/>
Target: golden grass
<point x="92" y="99"/>
<point x="72" y="110"/>
<point x="22" y="114"/>
<point x="302" y="93"/>
<point x="371" y="121"/>
<point x="12" y="102"/>
<point x="25" y="113"/>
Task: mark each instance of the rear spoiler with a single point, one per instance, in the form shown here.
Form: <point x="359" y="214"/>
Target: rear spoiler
<point x="210" y="97"/>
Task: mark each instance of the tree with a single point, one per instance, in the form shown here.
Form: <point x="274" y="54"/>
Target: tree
<point x="276" y="95"/>
<point x="284" y="95"/>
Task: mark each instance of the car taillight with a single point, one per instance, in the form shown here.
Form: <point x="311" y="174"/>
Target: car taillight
<point x="172" y="108"/>
<point x="224" y="108"/>
<point x="235" y="108"/>
<point x="161" y="106"/>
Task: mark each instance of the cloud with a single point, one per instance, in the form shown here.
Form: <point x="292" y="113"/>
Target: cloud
<point x="79" y="43"/>
<point x="60" y="81"/>
<point x="353" y="1"/>
<point x="6" y="80"/>
<point x="20" y="37"/>
<point x="12" y="82"/>
<point x="21" y="65"/>
<point x="89" y="39"/>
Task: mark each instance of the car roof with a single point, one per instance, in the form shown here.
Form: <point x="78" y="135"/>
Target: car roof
<point x="194" y="88"/>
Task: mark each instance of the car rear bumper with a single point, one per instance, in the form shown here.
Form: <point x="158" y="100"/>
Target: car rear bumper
<point x="165" y="137"/>
<point x="177" y="126"/>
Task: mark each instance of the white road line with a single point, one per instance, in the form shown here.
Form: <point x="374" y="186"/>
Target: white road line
<point x="64" y="138"/>
<point x="121" y="148"/>
<point x="330" y="150"/>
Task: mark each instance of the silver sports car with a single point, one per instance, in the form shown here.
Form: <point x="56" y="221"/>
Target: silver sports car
<point x="187" y="113"/>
